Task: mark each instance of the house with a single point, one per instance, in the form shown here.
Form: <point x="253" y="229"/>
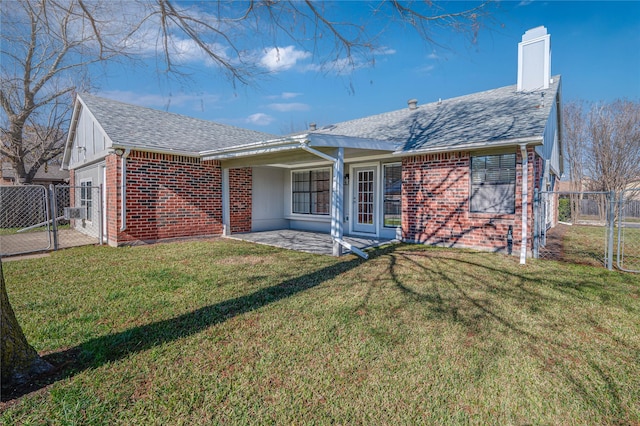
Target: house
<point x="456" y="172"/>
<point x="48" y="174"/>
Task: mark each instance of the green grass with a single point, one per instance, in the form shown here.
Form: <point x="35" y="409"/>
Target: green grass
<point x="230" y="332"/>
<point x="11" y="231"/>
<point x="586" y="245"/>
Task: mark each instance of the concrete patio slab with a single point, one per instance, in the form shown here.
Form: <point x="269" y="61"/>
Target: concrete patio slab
<point x="310" y="242"/>
<point x="31" y="242"/>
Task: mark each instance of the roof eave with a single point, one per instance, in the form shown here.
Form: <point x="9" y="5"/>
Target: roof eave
<point x="249" y="147"/>
<point x="258" y="150"/>
<point x="66" y="157"/>
<point x="154" y="150"/>
<point x="531" y="140"/>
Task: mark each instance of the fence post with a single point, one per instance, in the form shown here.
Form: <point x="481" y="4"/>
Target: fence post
<point x="536" y="223"/>
<point x="620" y="225"/>
<point x="53" y="214"/>
<point x="610" y="223"/>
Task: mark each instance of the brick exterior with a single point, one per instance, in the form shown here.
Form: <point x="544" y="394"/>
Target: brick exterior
<point x="240" y="199"/>
<point x="435" y="204"/>
<point x="168" y="196"/>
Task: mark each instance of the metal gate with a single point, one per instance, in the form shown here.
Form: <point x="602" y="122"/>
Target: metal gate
<point x="24" y="219"/>
<point x="628" y="235"/>
<point x="34" y="218"/>
<point x="574" y="227"/>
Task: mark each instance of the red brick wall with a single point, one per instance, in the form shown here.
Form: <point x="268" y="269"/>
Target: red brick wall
<point x="240" y="199"/>
<point x="435" y="204"/>
<point x="168" y="196"/>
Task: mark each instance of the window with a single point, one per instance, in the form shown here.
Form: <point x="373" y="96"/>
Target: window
<point x="493" y="183"/>
<point x="310" y="191"/>
<point x="392" y="195"/>
<point x="85" y="197"/>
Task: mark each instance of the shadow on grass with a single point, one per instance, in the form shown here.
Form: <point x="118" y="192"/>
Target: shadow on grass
<point x="552" y="350"/>
<point x="112" y="347"/>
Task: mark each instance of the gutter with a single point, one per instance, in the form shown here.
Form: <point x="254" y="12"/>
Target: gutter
<point x="255" y="151"/>
<point x="239" y="150"/>
<point x="123" y="188"/>
<point x="533" y="140"/>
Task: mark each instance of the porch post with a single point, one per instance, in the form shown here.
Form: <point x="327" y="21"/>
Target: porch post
<point x="226" y="223"/>
<point x="337" y="201"/>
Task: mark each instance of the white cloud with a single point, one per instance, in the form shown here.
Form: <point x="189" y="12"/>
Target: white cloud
<point x="285" y="95"/>
<point x="287" y="107"/>
<point x="385" y="51"/>
<point x="282" y="58"/>
<point x="290" y="95"/>
<point x="426" y="69"/>
<point x="433" y="55"/>
<point x="260" y="119"/>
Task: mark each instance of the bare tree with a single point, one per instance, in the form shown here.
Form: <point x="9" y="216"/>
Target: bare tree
<point x="50" y="48"/>
<point x="46" y="51"/>
<point x="575" y="145"/>
<point x="613" y="157"/>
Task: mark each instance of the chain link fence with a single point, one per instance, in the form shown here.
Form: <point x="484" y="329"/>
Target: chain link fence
<point x="34" y="218"/>
<point x="574" y="227"/>
<point x="24" y="219"/>
<point x="628" y="231"/>
<point x="594" y="228"/>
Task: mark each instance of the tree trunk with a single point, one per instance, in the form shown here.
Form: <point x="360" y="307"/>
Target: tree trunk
<point x="19" y="360"/>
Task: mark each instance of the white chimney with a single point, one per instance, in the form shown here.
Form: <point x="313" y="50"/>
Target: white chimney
<point x="413" y="104"/>
<point x="534" y="60"/>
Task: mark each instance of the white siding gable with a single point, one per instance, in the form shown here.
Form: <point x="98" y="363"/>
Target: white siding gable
<point x="90" y="142"/>
<point x="550" y="149"/>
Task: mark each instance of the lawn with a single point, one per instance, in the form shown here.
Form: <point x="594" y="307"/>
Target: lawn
<point x="586" y="245"/>
<point x="223" y="331"/>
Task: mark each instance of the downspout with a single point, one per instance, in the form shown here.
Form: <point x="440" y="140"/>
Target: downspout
<point x="525" y="196"/>
<point x="123" y="188"/>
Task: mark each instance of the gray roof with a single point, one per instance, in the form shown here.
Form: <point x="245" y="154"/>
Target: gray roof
<point x="496" y="115"/>
<point x="145" y="128"/>
<point x="50" y="173"/>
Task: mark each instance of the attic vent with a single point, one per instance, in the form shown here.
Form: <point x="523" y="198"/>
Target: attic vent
<point x="313" y="127"/>
<point x="413" y="103"/>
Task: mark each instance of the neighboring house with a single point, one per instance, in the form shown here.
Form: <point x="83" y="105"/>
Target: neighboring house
<point x="47" y="174"/>
<point x="457" y="172"/>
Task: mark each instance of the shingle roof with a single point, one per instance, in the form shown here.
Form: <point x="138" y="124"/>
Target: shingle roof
<point x="145" y="128"/>
<point x="51" y="173"/>
<point x="495" y="115"/>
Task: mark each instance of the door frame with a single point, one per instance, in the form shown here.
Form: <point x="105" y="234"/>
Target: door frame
<point x="372" y="229"/>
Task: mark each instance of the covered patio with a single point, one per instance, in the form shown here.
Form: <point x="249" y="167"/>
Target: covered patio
<point x="310" y="242"/>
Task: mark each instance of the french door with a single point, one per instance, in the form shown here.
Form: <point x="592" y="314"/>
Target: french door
<point x="364" y="200"/>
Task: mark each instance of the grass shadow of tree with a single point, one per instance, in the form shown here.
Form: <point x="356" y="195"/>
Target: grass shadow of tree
<point x="100" y="350"/>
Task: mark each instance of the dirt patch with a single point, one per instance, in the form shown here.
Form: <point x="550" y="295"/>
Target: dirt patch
<point x="554" y="249"/>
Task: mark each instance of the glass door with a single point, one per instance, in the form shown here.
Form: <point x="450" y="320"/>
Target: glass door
<point x="364" y="200"/>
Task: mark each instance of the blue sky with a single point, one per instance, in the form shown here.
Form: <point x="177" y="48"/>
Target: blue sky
<point x="595" y="47"/>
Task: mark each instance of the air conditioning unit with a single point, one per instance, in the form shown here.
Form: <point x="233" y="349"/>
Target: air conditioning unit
<point x="75" y="213"/>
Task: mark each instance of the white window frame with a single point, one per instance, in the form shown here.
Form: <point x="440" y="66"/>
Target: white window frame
<point x="384" y="194"/>
<point x="87" y="189"/>
<point x="504" y="182"/>
<point x="328" y="190"/>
